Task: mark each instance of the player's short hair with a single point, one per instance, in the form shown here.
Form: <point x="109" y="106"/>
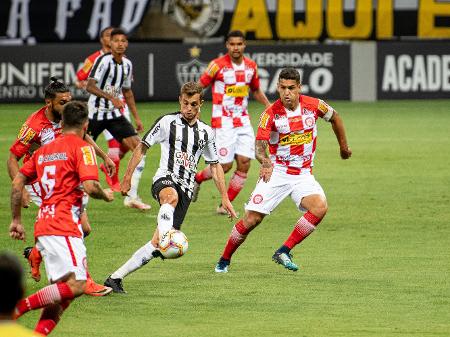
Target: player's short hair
<point x="118" y="31"/>
<point x="191" y="88"/>
<point x="235" y="33"/>
<point x="55" y="86"/>
<point x="290" y="74"/>
<point x="75" y="114"/>
<point x="104" y="30"/>
<point x="11" y="282"/>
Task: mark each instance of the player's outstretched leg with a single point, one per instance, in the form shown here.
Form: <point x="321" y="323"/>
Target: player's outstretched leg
<point x="200" y="177"/>
<point x="304" y="226"/>
<point x="237" y="237"/>
<point x="139" y="259"/>
<point x="34" y="260"/>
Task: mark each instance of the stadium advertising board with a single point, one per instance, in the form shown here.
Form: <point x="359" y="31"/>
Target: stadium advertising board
<point x="81" y="20"/>
<point x="160" y="69"/>
<point x="413" y="70"/>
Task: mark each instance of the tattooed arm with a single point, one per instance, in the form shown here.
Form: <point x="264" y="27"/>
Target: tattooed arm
<point x="265" y="172"/>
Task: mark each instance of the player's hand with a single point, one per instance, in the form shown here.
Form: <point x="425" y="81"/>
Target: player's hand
<point x="26" y="199"/>
<point x="110" y="166"/>
<point x="229" y="208"/>
<point x="118" y="103"/>
<point x="109" y="194"/>
<point x="265" y="171"/>
<point x="16" y="231"/>
<point x="81" y="84"/>
<point x="346" y="153"/>
<point x="139" y="125"/>
<point x="125" y="186"/>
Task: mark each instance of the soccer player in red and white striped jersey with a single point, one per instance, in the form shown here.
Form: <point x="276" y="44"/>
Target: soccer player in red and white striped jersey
<point x="232" y="77"/>
<point x="61" y="168"/>
<point x="289" y="130"/>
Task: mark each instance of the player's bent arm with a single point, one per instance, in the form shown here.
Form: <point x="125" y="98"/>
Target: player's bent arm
<point x="92" y="88"/>
<point x="16" y="229"/>
<point x="219" y="179"/>
<point x="93" y="188"/>
<point x="12" y="165"/>
<point x="338" y="127"/>
<point x="261" y="97"/>
<point x="129" y="98"/>
<point x="110" y="166"/>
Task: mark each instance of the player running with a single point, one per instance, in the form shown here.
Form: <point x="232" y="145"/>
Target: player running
<point x="42" y="128"/>
<point x="232" y="77"/>
<point x="59" y="167"/>
<point x="109" y="84"/>
<point x="288" y="128"/>
<point x="116" y="151"/>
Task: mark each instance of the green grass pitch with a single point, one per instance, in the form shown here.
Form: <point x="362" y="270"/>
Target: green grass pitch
<point x="378" y="265"/>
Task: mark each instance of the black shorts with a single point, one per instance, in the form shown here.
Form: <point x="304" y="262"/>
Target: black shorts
<point x="183" y="199"/>
<point x="119" y="128"/>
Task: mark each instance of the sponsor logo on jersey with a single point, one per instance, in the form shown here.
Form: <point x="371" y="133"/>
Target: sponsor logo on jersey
<point x="308" y="112"/>
<point x="185" y="159"/>
<point x="26" y="134"/>
<point x="237" y="90"/>
<point x="88" y="155"/>
<point x="52" y="157"/>
<point x="296" y="139"/>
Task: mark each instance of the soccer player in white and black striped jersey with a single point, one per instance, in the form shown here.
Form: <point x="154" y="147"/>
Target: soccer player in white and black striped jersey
<point x="110" y="77"/>
<point x="183" y="139"/>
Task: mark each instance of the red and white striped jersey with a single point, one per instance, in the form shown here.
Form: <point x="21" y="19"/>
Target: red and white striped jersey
<point x="231" y="85"/>
<point x="292" y="135"/>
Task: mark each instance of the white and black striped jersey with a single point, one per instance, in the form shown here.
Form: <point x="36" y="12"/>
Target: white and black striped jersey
<point x="181" y="148"/>
<point x="111" y="77"/>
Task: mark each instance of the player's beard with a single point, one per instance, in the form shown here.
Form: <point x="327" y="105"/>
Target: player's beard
<point x="56" y="115"/>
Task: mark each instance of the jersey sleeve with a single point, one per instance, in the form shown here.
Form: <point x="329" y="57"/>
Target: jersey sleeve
<point x="98" y="69"/>
<point x="26" y="136"/>
<point x="210" y="150"/>
<point x="156" y="133"/>
<point x="83" y="72"/>
<point x="29" y="168"/>
<point x="265" y="125"/>
<point x="254" y="84"/>
<point x="129" y="76"/>
<point x="209" y="74"/>
<point x="86" y="163"/>
<point x="324" y="110"/>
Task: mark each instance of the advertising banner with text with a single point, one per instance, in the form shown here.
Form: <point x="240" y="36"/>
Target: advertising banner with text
<point x="160" y="69"/>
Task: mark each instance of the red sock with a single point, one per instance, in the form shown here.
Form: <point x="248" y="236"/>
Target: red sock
<point x="50" y="317"/>
<point x="114" y="154"/>
<point x="54" y="293"/>
<point x="236" y="184"/>
<point x="237" y="236"/>
<point x="305" y="225"/>
<point x="203" y="175"/>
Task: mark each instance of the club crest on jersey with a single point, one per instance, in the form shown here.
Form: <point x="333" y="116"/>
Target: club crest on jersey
<point x="257" y="199"/>
<point x="189" y="71"/>
<point x="88" y="155"/>
<point x="309" y="121"/>
<point x="185" y="159"/>
<point x="296" y="139"/>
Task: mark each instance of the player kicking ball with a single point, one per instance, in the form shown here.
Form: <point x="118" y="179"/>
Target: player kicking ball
<point x="183" y="139"/>
<point x="288" y="128"/>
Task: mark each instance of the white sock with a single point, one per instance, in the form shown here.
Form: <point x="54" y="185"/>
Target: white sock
<point x="140" y="258"/>
<point x="135" y="178"/>
<point x="165" y="218"/>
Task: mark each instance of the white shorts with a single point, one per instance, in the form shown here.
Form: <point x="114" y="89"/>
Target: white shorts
<point x="126" y="112"/>
<point x="267" y="196"/>
<point x="63" y="255"/>
<point x="230" y="142"/>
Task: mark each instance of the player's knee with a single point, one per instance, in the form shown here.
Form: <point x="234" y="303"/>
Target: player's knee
<point x="320" y="209"/>
<point x="77" y="286"/>
<point x="243" y="166"/>
<point x="252" y="219"/>
<point x="227" y="167"/>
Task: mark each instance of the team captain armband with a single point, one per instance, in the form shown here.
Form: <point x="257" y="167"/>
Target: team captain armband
<point x="326" y="110"/>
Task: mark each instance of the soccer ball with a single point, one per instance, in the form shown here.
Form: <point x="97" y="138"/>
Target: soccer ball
<point x="173" y="244"/>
